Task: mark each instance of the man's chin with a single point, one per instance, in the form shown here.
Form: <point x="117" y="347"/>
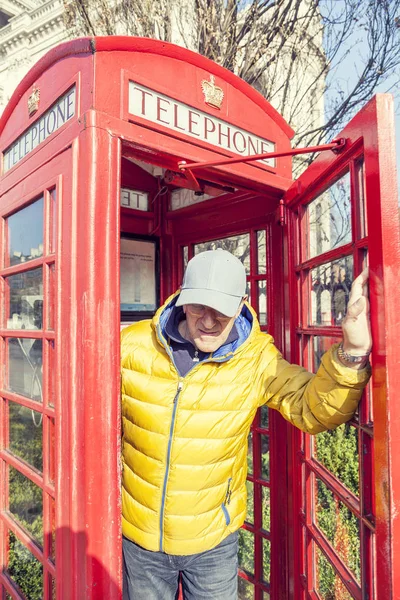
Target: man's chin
<point x="205" y="346"/>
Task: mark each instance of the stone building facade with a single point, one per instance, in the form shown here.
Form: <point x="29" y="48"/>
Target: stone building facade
<point x="28" y="29"/>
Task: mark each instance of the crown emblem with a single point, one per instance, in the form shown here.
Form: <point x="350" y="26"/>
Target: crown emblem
<point x="33" y="101"/>
<point x="213" y="95"/>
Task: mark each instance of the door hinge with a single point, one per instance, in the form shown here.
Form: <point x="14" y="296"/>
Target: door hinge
<point x="281" y="213"/>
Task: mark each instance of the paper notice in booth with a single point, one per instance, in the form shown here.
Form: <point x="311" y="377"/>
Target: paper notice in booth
<point x="138" y="277"/>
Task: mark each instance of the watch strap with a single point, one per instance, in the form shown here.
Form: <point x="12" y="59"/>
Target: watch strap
<point x="351" y="358"/>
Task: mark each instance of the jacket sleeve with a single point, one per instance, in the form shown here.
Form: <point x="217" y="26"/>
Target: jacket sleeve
<point x="313" y="403"/>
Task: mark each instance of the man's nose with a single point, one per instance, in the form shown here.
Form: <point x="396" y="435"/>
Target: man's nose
<point x="209" y="319"/>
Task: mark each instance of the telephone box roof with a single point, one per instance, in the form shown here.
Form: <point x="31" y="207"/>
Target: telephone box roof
<point x="92" y="45"/>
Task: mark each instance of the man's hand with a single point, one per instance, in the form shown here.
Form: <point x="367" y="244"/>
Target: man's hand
<point x="356" y="324"/>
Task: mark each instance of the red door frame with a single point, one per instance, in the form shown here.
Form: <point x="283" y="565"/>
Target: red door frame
<point x="370" y="136"/>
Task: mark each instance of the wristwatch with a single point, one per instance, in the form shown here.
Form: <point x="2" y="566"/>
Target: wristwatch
<point x="351" y="358"/>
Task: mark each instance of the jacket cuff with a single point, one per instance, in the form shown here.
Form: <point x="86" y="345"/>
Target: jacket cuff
<point x="346" y="376"/>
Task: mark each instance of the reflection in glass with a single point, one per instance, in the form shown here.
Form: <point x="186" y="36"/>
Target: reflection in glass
<point x="25" y="367"/>
<point x="245" y="589"/>
<point x="330" y="290"/>
<point x="266" y="509"/>
<point x="25" y="427"/>
<point x="51" y="447"/>
<point x="250" y="502"/>
<point x="266" y="560"/>
<point x="51" y="372"/>
<point x="262" y="302"/>
<point x="338" y="451"/>
<point x="25" y="233"/>
<point x="266" y="596"/>
<point x="185" y="254"/>
<point x="52" y="545"/>
<point x="51" y="298"/>
<point x="53" y="226"/>
<point x="261" y="252"/>
<point x="360" y="173"/>
<point x="25" y="570"/>
<point x="340" y="526"/>
<point x="321" y="344"/>
<point x="26" y="300"/>
<point x="250" y="453"/>
<point x="246" y="551"/>
<point x="265" y="457"/>
<point x="329" y="222"/>
<point x="238" y="245"/>
<point x="264" y="416"/>
<point x="328" y="584"/>
<point x="26" y="504"/>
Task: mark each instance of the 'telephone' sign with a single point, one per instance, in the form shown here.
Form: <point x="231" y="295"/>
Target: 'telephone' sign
<point x="157" y="108"/>
<point x="50" y="121"/>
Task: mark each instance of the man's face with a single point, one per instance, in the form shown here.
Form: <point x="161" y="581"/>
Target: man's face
<point x="207" y="328"/>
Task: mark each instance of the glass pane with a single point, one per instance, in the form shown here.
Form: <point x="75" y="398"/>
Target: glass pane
<point x="328" y="584"/>
<point x="53" y="590"/>
<point x="51" y="446"/>
<point x="266" y="560"/>
<point x="261" y="252"/>
<point x="266" y="596"/>
<point x="52" y="540"/>
<point x="266" y="509"/>
<point x="250" y="453"/>
<point x="51" y="300"/>
<point x="185" y="254"/>
<point x="264" y="417"/>
<point x="245" y="589"/>
<point x="26" y="440"/>
<point x="26" y="504"/>
<point x="25" y="234"/>
<point x="51" y="373"/>
<point x="183" y="197"/>
<point x="321" y="344"/>
<point x="265" y="457"/>
<point x="329" y="222"/>
<point x="338" y="451"/>
<point x="25" y="367"/>
<point x="248" y="292"/>
<point x="53" y="223"/>
<point x="361" y="198"/>
<point x="250" y="502"/>
<point x="26" y="300"/>
<point x="25" y="570"/>
<point x="340" y="526"/>
<point x="238" y="245"/>
<point x="330" y="290"/>
<point x="246" y="551"/>
<point x="262" y="302"/>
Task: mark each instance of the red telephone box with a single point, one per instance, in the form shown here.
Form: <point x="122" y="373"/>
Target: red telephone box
<point x="99" y="214"/>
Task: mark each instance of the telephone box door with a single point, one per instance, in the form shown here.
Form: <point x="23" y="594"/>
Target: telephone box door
<point x="343" y="216"/>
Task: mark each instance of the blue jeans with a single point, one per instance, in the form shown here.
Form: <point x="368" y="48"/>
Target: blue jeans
<point x="211" y="575"/>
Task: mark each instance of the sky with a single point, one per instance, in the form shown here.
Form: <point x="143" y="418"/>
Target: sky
<point x="344" y="73"/>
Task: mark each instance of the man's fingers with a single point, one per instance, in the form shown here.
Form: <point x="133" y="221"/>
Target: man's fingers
<point x="356" y="308"/>
<point x="359" y="286"/>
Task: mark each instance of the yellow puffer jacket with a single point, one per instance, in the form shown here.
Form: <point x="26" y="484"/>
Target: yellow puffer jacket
<point x="185" y="438"/>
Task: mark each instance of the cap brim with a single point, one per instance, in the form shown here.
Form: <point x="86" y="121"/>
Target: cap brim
<point x="223" y="303"/>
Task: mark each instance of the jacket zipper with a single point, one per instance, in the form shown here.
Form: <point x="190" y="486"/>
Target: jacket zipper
<point x="226" y="502"/>
<point x="172" y="426"/>
<point x="171" y="431"/>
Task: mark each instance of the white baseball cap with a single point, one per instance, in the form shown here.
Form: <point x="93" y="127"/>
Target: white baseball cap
<point x="214" y="278"/>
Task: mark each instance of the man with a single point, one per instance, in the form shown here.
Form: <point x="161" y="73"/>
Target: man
<point x="192" y="380"/>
